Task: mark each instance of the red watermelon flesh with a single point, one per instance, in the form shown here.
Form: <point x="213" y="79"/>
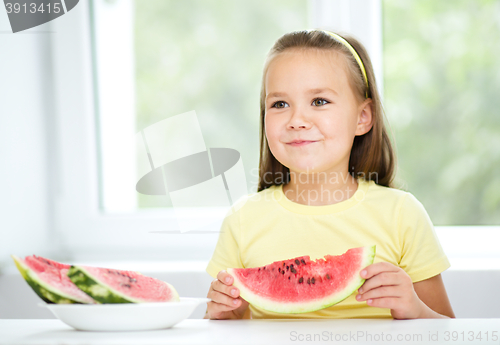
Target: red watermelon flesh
<point x="117" y="286"/>
<point x="47" y="263"/>
<point x="50" y="281"/>
<point x="301" y="285"/>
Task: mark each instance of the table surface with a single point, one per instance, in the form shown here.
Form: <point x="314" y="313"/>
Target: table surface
<point x="290" y="331"/>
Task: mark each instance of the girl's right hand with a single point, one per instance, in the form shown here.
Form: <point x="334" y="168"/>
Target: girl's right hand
<point x="226" y="303"/>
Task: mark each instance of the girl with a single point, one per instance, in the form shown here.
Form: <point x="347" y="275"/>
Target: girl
<point x="325" y="185"/>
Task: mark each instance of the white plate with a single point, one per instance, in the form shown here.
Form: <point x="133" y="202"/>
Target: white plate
<point x="124" y="316"/>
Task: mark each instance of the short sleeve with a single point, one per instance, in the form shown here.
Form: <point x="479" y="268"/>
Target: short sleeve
<point x="227" y="250"/>
<point x="422" y="256"/>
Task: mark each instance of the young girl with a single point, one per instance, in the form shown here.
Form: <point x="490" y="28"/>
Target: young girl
<point x="325" y="185"/>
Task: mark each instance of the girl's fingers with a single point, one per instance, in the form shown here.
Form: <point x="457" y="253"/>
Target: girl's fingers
<point x="379" y="267"/>
<point x="384" y="278"/>
<point x="225" y="277"/>
<point x="228" y="290"/>
<point x="223" y="299"/>
<point x="384" y="302"/>
<point x="383" y="291"/>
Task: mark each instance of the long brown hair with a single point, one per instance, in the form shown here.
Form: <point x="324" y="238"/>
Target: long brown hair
<point x="372" y="153"/>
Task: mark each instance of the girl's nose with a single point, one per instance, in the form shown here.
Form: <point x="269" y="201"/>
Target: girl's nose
<point x="298" y="120"/>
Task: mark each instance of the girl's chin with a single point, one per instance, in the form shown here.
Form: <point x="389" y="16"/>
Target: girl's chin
<point x="307" y="169"/>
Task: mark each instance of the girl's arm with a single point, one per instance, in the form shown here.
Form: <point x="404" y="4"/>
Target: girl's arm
<point x="432" y="292"/>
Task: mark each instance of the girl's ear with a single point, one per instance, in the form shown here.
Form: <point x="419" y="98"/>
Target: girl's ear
<point x="365" y="117"/>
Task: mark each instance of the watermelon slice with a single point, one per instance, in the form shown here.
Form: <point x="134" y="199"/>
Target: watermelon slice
<point x="49" y="280"/>
<point x="300" y="285"/>
<point x="115" y="286"/>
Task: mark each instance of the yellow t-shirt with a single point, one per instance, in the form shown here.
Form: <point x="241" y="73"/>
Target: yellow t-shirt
<point x="266" y="226"/>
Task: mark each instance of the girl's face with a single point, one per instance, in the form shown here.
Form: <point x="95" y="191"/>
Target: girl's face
<point x="309" y="99"/>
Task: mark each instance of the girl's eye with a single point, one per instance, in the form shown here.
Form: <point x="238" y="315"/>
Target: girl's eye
<point x="319" y="102"/>
<point x="279" y="104"/>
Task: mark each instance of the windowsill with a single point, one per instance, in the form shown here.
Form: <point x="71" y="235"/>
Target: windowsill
<point x="474" y="264"/>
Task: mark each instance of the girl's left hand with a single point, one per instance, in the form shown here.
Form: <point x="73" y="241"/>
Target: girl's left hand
<point x="389" y="286"/>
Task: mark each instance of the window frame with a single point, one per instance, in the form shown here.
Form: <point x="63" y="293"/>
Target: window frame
<point x="84" y="231"/>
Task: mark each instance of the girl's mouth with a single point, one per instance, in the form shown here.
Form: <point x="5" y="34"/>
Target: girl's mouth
<point x="301" y="143"/>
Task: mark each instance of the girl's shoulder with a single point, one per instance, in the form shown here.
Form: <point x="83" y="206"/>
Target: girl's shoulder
<point x="398" y="197"/>
<point x="379" y="191"/>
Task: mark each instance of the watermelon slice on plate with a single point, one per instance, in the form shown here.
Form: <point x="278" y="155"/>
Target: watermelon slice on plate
<point x="49" y="280"/>
<point x="300" y="285"/>
<point x="116" y="286"/>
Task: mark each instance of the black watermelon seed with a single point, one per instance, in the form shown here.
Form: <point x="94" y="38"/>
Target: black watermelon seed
<point x="297" y="262"/>
<point x="287" y="267"/>
<point x="327" y="276"/>
<point x="313" y="280"/>
<point x="264" y="267"/>
<point x="303" y="262"/>
<point x="282" y="272"/>
<point x="293" y="270"/>
<point x="259" y="268"/>
<point x="301" y="280"/>
<point x="127" y="285"/>
<point x="288" y="277"/>
<point x="279" y="269"/>
<point x="309" y="281"/>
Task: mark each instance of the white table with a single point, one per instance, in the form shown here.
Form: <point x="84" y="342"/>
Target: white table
<point x="196" y="331"/>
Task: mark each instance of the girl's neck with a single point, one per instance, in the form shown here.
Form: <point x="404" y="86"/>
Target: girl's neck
<point x="319" y="189"/>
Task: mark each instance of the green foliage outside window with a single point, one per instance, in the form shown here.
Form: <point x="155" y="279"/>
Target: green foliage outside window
<point x="442" y="98"/>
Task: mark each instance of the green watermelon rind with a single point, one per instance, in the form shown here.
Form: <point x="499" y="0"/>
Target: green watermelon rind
<point x="305" y="307"/>
<point x="95" y="289"/>
<point x="46" y="292"/>
<point x="102" y="292"/>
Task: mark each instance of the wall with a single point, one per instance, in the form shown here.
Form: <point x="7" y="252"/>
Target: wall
<point x="25" y="163"/>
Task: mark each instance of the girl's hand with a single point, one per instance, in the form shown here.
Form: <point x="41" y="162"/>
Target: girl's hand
<point x="226" y="303"/>
<point x="389" y="286"/>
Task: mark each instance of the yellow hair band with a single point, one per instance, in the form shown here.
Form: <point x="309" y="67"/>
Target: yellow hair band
<point x="354" y="53"/>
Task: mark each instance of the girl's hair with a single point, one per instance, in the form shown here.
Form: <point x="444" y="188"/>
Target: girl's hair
<point x="372" y="156"/>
